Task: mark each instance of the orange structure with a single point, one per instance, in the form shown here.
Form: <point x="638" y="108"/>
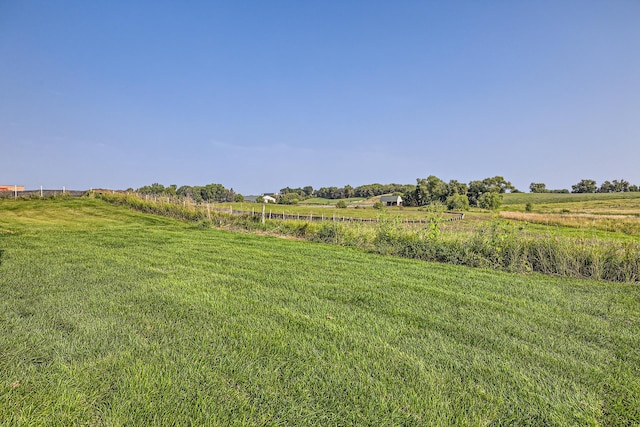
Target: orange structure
<point x="11" y="187"/>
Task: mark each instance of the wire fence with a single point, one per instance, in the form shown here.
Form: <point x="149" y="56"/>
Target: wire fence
<point x="451" y="216"/>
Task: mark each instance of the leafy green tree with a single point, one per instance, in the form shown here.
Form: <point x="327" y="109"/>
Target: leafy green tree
<point x="490" y="200"/>
<point x="260" y="199"/>
<point x="476" y="189"/>
<point x="185" y="190"/>
<point x="496" y="184"/>
<point x="455" y="187"/>
<point x="154" y="188"/>
<point x="238" y="198"/>
<point x="288" y="199"/>
<point x="606" y="187"/>
<point x="341" y="204"/>
<point x="457" y="202"/>
<point x="538" y="187"/>
<point x="348" y="191"/>
<point x="584" y="186"/>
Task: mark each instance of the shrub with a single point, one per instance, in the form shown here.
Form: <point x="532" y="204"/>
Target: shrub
<point x="491" y="201"/>
<point x="458" y="202"/>
<point x="341" y="204"/>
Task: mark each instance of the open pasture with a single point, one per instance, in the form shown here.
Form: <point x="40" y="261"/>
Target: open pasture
<point x="112" y="317"/>
<point x="596" y="203"/>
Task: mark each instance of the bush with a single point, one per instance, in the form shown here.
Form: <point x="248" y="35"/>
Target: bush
<point x="341" y="204"/>
<point x="378" y="205"/>
<point x="458" y="202"/>
<point x="528" y="207"/>
<point x="491" y="201"/>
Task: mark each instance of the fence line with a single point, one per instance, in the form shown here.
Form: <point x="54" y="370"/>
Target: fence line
<point x="310" y="217"/>
<point x="42" y="193"/>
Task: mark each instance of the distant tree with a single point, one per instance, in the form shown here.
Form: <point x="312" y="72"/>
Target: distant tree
<point x="634" y="188"/>
<point x="154" y="188"/>
<point x="455" y="187"/>
<point x="378" y="205"/>
<point x="260" y="199"/>
<point x="584" y="186"/>
<point x="238" y="198"/>
<point x="538" y="187"/>
<point x="528" y="207"/>
<point x="621" y="186"/>
<point x="348" y="191"/>
<point x="496" y="184"/>
<point x="185" y="190"/>
<point x="308" y="190"/>
<point x="490" y="200"/>
<point x="341" y="204"/>
<point x="457" y="202"/>
<point x="431" y="189"/>
<point x="606" y="187"/>
<point x="288" y="199"/>
<point x="476" y="189"/>
<point x="329" y="192"/>
<point x="171" y="190"/>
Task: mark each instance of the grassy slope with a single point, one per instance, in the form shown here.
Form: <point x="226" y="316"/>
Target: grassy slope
<point x="109" y="317"/>
<point x="551" y="198"/>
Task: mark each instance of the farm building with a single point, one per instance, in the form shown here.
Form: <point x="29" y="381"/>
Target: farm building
<point x="391" y="200"/>
<point x="11" y="188"/>
<point x="266" y="198"/>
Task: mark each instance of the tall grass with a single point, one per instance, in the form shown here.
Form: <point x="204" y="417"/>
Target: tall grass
<point x="614" y="223"/>
<point x="498" y="244"/>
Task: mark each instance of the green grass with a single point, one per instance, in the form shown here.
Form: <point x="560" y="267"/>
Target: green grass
<point x="549" y="198"/>
<point x="111" y="317"/>
<point x="329" y="211"/>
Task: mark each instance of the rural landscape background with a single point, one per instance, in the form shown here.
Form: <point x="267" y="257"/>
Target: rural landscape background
<point x="309" y="214"/>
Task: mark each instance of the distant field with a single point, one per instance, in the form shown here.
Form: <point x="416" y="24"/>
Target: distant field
<point x="614" y="212"/>
<point x="551" y="198"/>
<point x="112" y="317"/>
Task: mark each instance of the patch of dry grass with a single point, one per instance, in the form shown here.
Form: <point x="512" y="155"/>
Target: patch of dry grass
<point x="626" y="224"/>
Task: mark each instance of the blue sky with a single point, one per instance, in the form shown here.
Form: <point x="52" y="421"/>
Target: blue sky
<point x="266" y="94"/>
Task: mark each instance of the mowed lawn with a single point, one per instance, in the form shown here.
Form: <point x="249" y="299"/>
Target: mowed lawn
<point x="110" y="317"/>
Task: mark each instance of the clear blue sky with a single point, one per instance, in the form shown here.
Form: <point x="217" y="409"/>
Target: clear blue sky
<point x="266" y="94"/>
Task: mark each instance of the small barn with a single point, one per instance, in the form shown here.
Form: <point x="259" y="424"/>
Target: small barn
<point x="265" y="198"/>
<point x="268" y="199"/>
<point x="391" y="200"/>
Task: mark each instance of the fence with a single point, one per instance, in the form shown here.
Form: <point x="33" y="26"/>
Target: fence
<point x="41" y="193"/>
<point x="454" y="216"/>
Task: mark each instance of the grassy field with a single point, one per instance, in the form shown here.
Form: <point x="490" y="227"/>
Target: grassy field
<point x="111" y="317"/>
<point x="551" y="198"/>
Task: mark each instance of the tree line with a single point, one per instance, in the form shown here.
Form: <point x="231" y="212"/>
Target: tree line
<point x="589" y="186"/>
<point x="455" y="195"/>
